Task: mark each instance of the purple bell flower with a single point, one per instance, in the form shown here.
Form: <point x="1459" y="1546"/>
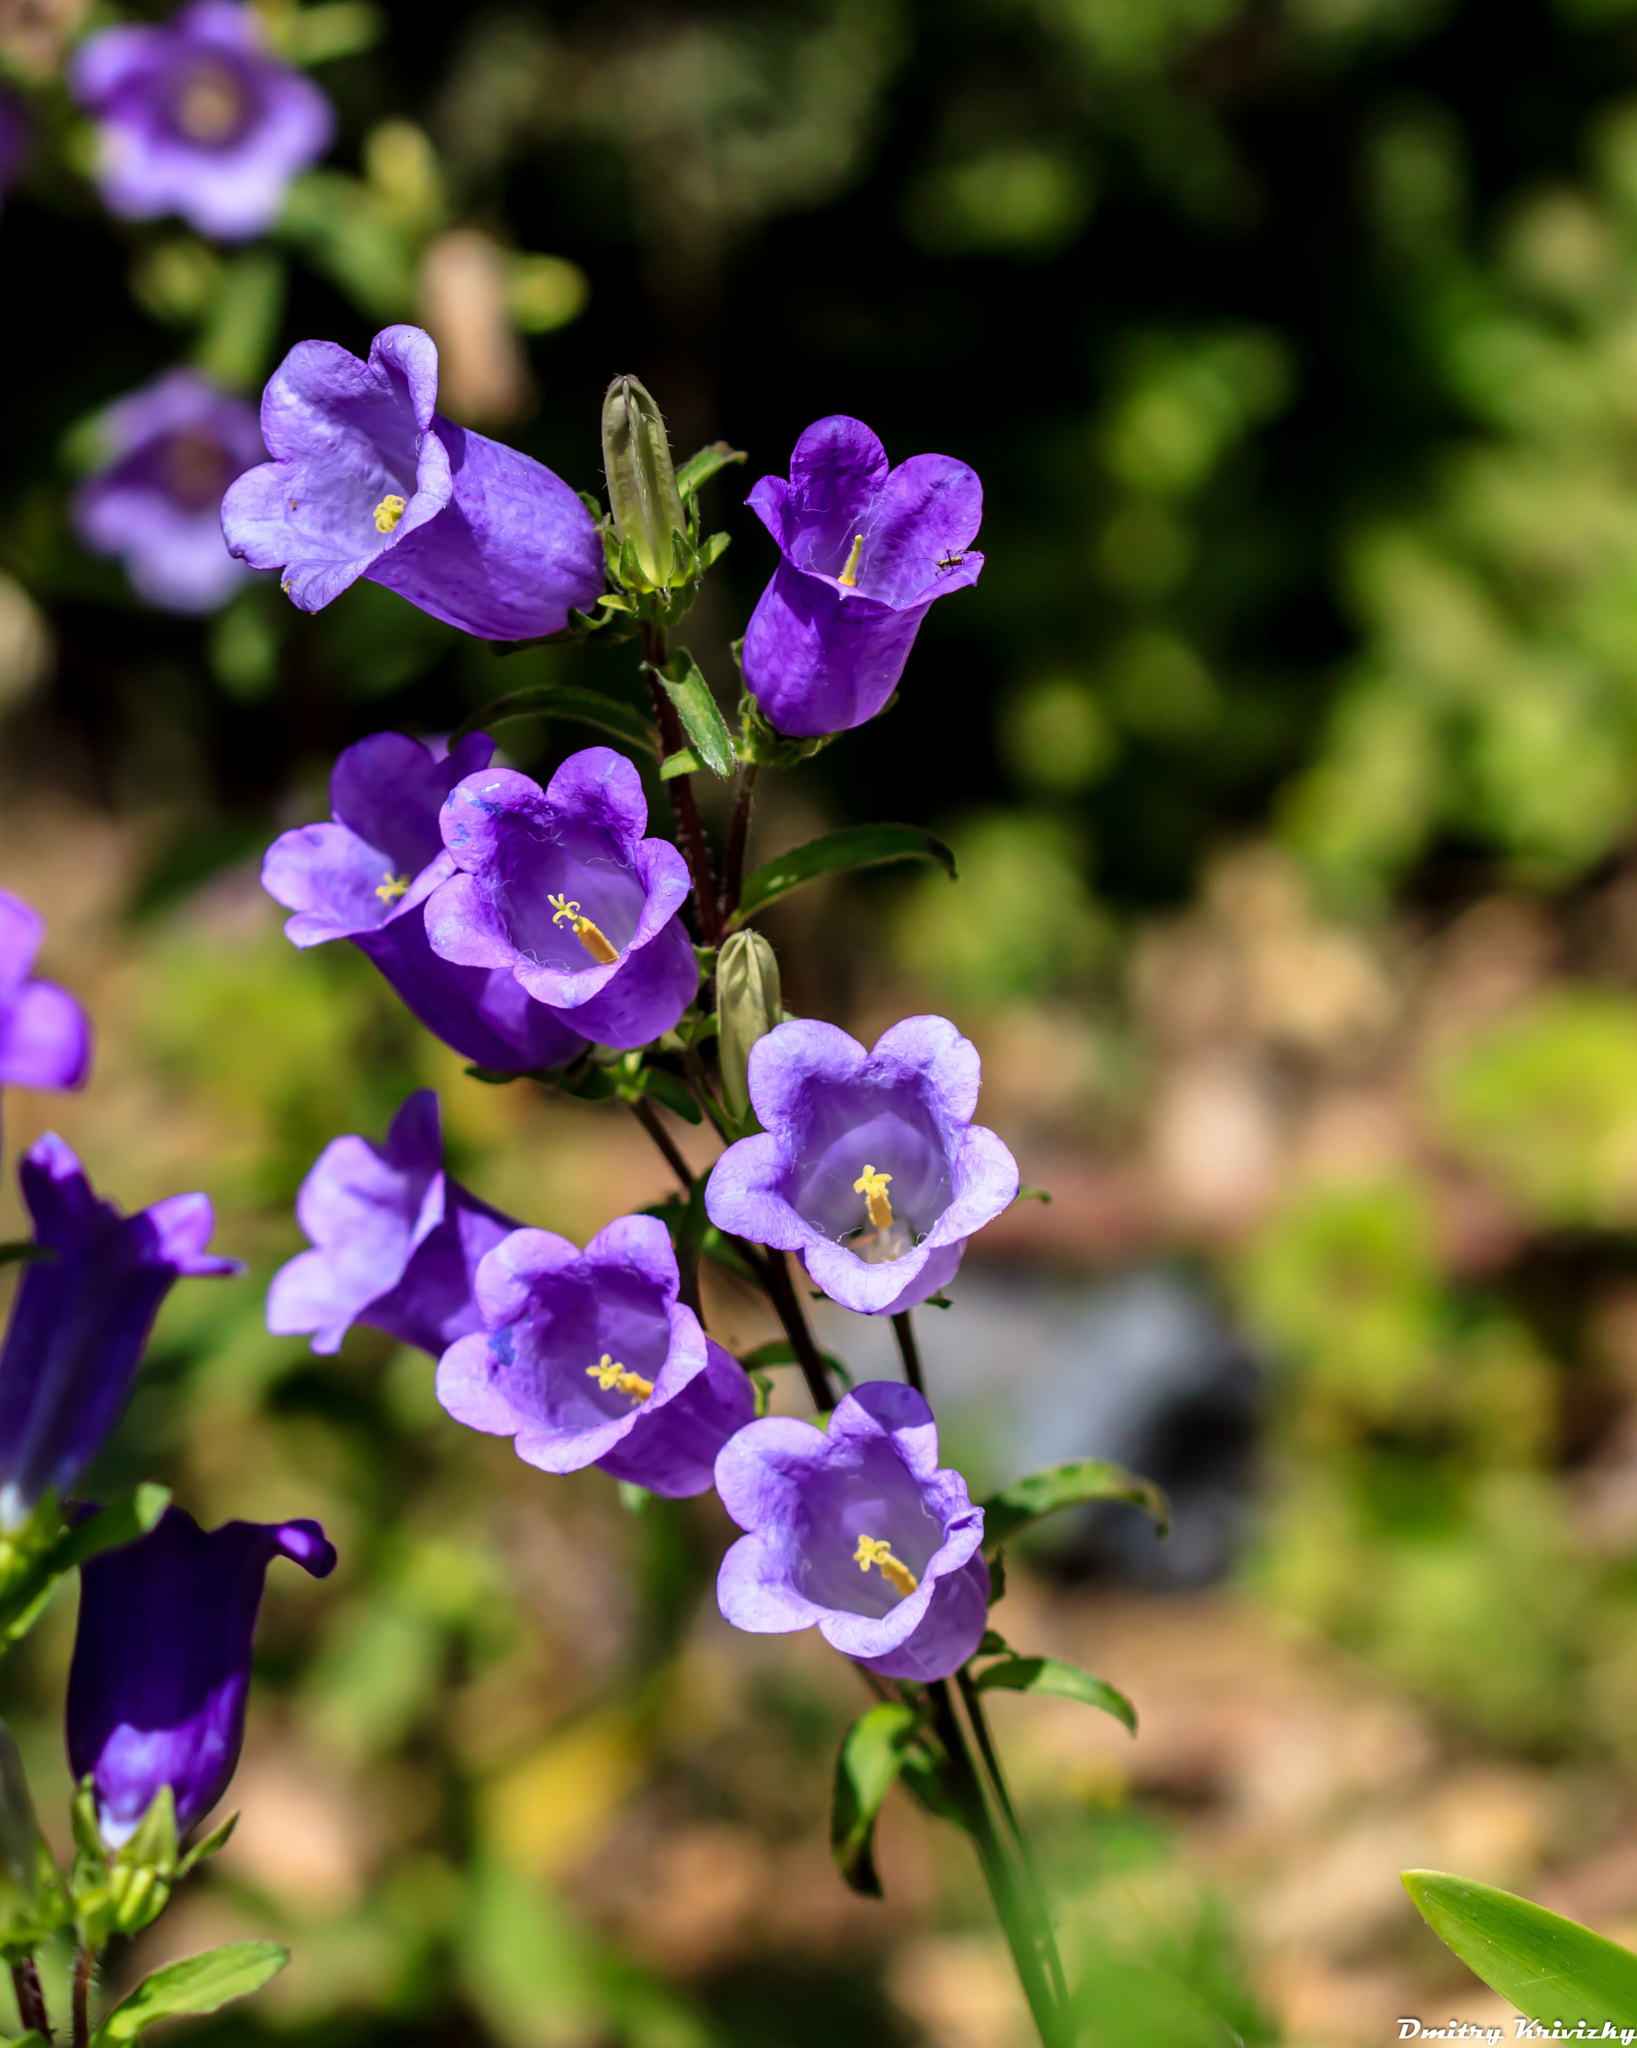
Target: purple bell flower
<point x="172" y="449"/>
<point x="589" y="1358"/>
<point x="366" y="877"/>
<point x="161" y="1670"/>
<point x="45" y="1039"/>
<point x="81" y="1318"/>
<point x="858" y="1529"/>
<point x="867" y="1163"/>
<point x="197" y="119"/>
<point x="866" y="549"/>
<point x="368" y="480"/>
<point x="396" y="1241"/>
<point x="558" y="886"/>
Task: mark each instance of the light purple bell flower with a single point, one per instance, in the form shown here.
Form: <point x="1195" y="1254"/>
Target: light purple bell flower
<point x="161" y="1671"/>
<point x="366" y="877"/>
<point x="196" y="118"/>
<point x="859" y="1530"/>
<point x="171" y="449"/>
<point x="81" y="1318"/>
<point x="868" y="1163"/>
<point x="45" y="1037"/>
<point x="866" y="550"/>
<point x="395" y="1241"/>
<point x="367" y="479"/>
<point x="589" y="1358"/>
<point x="558" y="887"/>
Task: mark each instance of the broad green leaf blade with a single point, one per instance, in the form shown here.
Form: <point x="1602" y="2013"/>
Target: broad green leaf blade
<point x="1068" y="1486"/>
<point x="699" y="712"/>
<point x="566" y="700"/>
<point x="699" y="469"/>
<point x="198" y="1984"/>
<point x="872" y="1755"/>
<point x="1060" y="1681"/>
<point x="1552" y="1969"/>
<point x="855" y="846"/>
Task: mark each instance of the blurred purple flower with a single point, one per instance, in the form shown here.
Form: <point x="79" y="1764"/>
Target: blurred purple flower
<point x="859" y="1530"/>
<point x="866" y="550"/>
<point x="197" y="119"/>
<point x="366" y="877"/>
<point x="396" y="1241"/>
<point x="45" y="1038"/>
<point x="559" y="887"/>
<point x="172" y="449"/>
<point x="368" y="480"/>
<point x="81" y="1318"/>
<point x="161" y="1670"/>
<point x="16" y="137"/>
<point x="867" y="1163"/>
<point x="588" y="1358"/>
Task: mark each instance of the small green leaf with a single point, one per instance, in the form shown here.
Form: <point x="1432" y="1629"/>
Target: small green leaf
<point x="199" y="1984"/>
<point x="23" y="1251"/>
<point x="855" y="846"/>
<point x="1061" y="1681"/>
<point x="565" y="700"/>
<point x="1028" y="1194"/>
<point x="699" y="469"/>
<point x="993" y="1645"/>
<point x="673" y="1093"/>
<point x="1552" y="1969"/>
<point x="872" y="1755"/>
<point x="711" y="551"/>
<point x="923" y="1779"/>
<point x="684" y="762"/>
<point x="778" y="1352"/>
<point x="1068" y="1486"/>
<point x="699" y="712"/>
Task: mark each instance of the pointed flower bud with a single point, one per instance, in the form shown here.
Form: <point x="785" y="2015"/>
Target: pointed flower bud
<point x="642" y="490"/>
<point x="748" y="1006"/>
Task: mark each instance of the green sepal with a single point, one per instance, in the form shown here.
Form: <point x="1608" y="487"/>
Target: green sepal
<point x="568" y="701"/>
<point x="196" y="1985"/>
<point x="1028" y="1194"/>
<point x="761" y="742"/>
<point x="1026" y="1500"/>
<point x="698" y="470"/>
<point x="208" y="1845"/>
<point x="763" y="1383"/>
<point x="701" y="716"/>
<point x="1552" y="1969"/>
<point x="123" y="1890"/>
<point x="1049" y="1675"/>
<point x="855" y="846"/>
<point x="871" y="1756"/>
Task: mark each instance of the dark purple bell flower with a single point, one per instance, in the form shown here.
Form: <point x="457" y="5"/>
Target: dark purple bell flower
<point x="859" y="1530"/>
<point x="589" y="1358"/>
<point x="559" y="887"/>
<point x="866" y="549"/>
<point x="196" y="118"/>
<point x="171" y="449"/>
<point x="368" y="480"/>
<point x="395" y="1241"/>
<point x="161" y="1670"/>
<point x="366" y="877"/>
<point x="867" y="1163"/>
<point x="45" y="1038"/>
<point x="81" y="1318"/>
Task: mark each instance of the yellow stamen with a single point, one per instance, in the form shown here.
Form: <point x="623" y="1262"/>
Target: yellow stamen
<point x="597" y="944"/>
<point x="392" y="886"/>
<point x="613" y="1378"/>
<point x="849" y="575"/>
<point x="873" y="1187"/>
<point x="877" y="1551"/>
<point x="388" y="512"/>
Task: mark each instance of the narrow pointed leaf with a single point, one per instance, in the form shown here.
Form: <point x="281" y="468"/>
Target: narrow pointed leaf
<point x="699" y="712"/>
<point x="113" y="1527"/>
<point x="1552" y="1969"/>
<point x="872" y="1755"/>
<point x="1068" y="1486"/>
<point x="199" y="1984"/>
<point x="566" y="701"/>
<point x="855" y="846"/>
<point x="1061" y="1681"/>
<point x="699" y="469"/>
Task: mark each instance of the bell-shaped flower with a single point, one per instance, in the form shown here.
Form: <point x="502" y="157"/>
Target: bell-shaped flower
<point x="171" y="450"/>
<point x="396" y="1242"/>
<point x="866" y="550"/>
<point x="366" y="877"/>
<point x="559" y="887"/>
<point x="368" y="479"/>
<point x="867" y="1163"/>
<point x="161" y="1670"/>
<point x="195" y="117"/>
<point x="81" y="1317"/>
<point x="859" y="1530"/>
<point x="589" y="1358"/>
<point x="45" y="1039"/>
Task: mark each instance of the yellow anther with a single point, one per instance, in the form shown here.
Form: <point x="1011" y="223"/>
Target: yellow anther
<point x="873" y="1187"/>
<point x="597" y="944"/>
<point x="388" y="512"/>
<point x="849" y="575"/>
<point x="613" y="1378"/>
<point x="877" y="1551"/>
<point x="392" y="886"/>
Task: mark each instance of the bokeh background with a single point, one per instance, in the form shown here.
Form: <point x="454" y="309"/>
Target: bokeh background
<point x="1289" y="748"/>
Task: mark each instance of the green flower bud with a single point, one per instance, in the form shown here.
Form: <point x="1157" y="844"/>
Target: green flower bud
<point x="642" y="490"/>
<point x="748" y="1005"/>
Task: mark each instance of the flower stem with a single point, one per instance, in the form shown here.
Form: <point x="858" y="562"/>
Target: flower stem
<point x="646" y="1115"/>
<point x="85" y="1964"/>
<point x="31" y="2007"/>
<point x="733" y="868"/>
<point x="904" y="1330"/>
<point x="694" y="843"/>
<point x="786" y="1301"/>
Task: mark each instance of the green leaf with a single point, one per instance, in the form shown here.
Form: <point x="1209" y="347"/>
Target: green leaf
<point x="673" y="1093"/>
<point x="565" y="700"/>
<point x="1552" y="1969"/>
<point x="1060" y="1681"/>
<point x="684" y="762"/>
<point x="699" y="469"/>
<point x="872" y="1755"/>
<point x="923" y="1779"/>
<point x="699" y="712"/>
<point x="855" y="846"/>
<point x="1068" y="1486"/>
<point x="777" y="1351"/>
<point x="199" y="1984"/>
<point x="1028" y="1194"/>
